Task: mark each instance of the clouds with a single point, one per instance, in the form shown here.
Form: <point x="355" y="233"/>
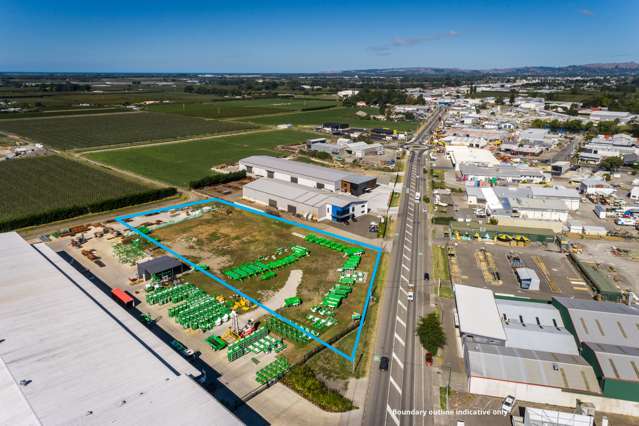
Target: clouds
<point x="399" y="42"/>
<point x="586" y="12"/>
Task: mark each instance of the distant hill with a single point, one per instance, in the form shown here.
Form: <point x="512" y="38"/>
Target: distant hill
<point x="614" y="69"/>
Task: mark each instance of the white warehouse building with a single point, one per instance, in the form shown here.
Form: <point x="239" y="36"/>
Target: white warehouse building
<point x="312" y="203"/>
<point x="307" y="175"/>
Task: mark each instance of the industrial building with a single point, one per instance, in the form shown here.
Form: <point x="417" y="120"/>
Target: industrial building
<point x="608" y="334"/>
<point x="69" y="354"/>
<point x="491" y="195"/>
<point x="502" y="173"/>
<point x="312" y="203"/>
<point x="561" y="350"/>
<point x="308" y="175"/>
<point x="465" y="156"/>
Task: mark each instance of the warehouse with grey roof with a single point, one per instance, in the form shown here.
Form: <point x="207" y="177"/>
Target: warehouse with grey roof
<point x="70" y="355"/>
<point x="309" y="175"/>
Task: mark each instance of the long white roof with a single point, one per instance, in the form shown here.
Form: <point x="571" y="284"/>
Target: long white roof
<point x="477" y="312"/>
<point x="89" y="361"/>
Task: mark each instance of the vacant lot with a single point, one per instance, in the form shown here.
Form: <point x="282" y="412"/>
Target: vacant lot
<point x="182" y="162"/>
<point x="115" y="129"/>
<point x="229" y="237"/>
<point x="42" y="184"/>
<point x="342" y="115"/>
<point x="243" y="108"/>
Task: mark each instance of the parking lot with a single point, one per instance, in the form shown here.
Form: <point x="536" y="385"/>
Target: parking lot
<point x="488" y="265"/>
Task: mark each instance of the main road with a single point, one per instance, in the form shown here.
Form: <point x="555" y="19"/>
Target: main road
<point x="406" y="385"/>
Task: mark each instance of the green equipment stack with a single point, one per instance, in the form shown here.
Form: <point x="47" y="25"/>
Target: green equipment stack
<point x="272" y="371"/>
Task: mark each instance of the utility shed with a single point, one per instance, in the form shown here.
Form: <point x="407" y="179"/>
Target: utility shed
<point x="528" y="279"/>
<point x="161" y="266"/>
<point x="616" y="367"/>
<point x="478" y="315"/>
<point x="72" y="355"/>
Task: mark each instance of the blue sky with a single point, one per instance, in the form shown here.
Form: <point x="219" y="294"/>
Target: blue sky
<point x="310" y="36"/>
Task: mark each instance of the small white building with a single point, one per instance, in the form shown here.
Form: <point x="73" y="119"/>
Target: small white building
<point x="595" y="185"/>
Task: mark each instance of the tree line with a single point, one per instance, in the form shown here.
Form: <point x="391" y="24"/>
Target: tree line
<point x="73" y="211"/>
<point x="216" y="179"/>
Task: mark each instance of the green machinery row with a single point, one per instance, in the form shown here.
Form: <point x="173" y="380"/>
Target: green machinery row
<point x="272" y="371"/>
<point x="256" y="342"/>
<point x="195" y="308"/>
<point x="200" y="311"/>
<point x="289" y="332"/>
<point x="216" y="342"/>
<point x="333" y="299"/>
<point x="266" y="270"/>
<point x="334" y="245"/>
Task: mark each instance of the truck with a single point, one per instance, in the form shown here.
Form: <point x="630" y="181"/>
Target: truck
<point x="626" y="221"/>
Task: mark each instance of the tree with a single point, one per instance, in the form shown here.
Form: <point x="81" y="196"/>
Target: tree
<point x="611" y="163"/>
<point x="430" y="333"/>
<point x="513" y="93"/>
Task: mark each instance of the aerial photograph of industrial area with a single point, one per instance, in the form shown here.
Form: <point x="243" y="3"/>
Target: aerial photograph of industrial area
<point x="319" y="213"/>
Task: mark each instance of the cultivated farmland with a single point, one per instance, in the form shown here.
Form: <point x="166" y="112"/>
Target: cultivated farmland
<point x="44" y="184"/>
<point x="180" y="163"/>
<point x="342" y="115"/>
<point x="241" y="108"/>
<point x="114" y="129"/>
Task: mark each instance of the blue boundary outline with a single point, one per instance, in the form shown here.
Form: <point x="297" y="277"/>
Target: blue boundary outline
<point x="122" y="220"/>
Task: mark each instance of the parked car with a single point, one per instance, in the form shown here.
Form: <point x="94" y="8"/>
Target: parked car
<point x="508" y="404"/>
<point x="429" y="359"/>
<point x="426" y="276"/>
<point x="411" y="296"/>
<point x="383" y="363"/>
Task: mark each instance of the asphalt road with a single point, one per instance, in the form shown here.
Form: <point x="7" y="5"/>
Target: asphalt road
<point x="406" y="385"/>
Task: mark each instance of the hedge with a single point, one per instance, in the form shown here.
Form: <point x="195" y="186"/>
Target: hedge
<point x="217" y="179"/>
<point x="302" y="380"/>
<point x="73" y="211"/>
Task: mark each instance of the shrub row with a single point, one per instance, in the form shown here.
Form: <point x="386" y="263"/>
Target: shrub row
<point x="69" y="212"/>
<point x="302" y="380"/>
<point x="217" y="179"/>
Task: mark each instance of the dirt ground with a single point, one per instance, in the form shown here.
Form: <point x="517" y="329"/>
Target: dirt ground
<point x="558" y="277"/>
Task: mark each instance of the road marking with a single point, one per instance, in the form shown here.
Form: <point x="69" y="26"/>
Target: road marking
<point x="407" y="258"/>
<point x="401" y="321"/>
<point x="393" y="416"/>
<point x="409" y="232"/>
<point x="402" y="289"/>
<point x="406" y="247"/>
<point x="400" y="339"/>
<point x="399" y="390"/>
<point x="404" y="266"/>
<point x="399" y="302"/>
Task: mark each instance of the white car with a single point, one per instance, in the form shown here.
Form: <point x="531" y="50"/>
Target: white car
<point x="411" y="296"/>
<point x="508" y="404"/>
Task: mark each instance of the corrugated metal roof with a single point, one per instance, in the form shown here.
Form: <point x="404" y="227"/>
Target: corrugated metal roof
<point x="84" y="353"/>
<point x="603" y="322"/>
<point x="530" y="312"/>
<point x="477" y="311"/>
<point x="531" y="367"/>
<point x="297" y="168"/>
<point x="617" y="362"/>
<point x="312" y="197"/>
<point x="547" y="339"/>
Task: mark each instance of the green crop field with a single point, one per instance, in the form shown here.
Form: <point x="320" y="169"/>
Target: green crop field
<point x="114" y="129"/>
<point x="60" y="112"/>
<point x="41" y="184"/>
<point x="179" y="163"/>
<point x="240" y="108"/>
<point x="342" y="115"/>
